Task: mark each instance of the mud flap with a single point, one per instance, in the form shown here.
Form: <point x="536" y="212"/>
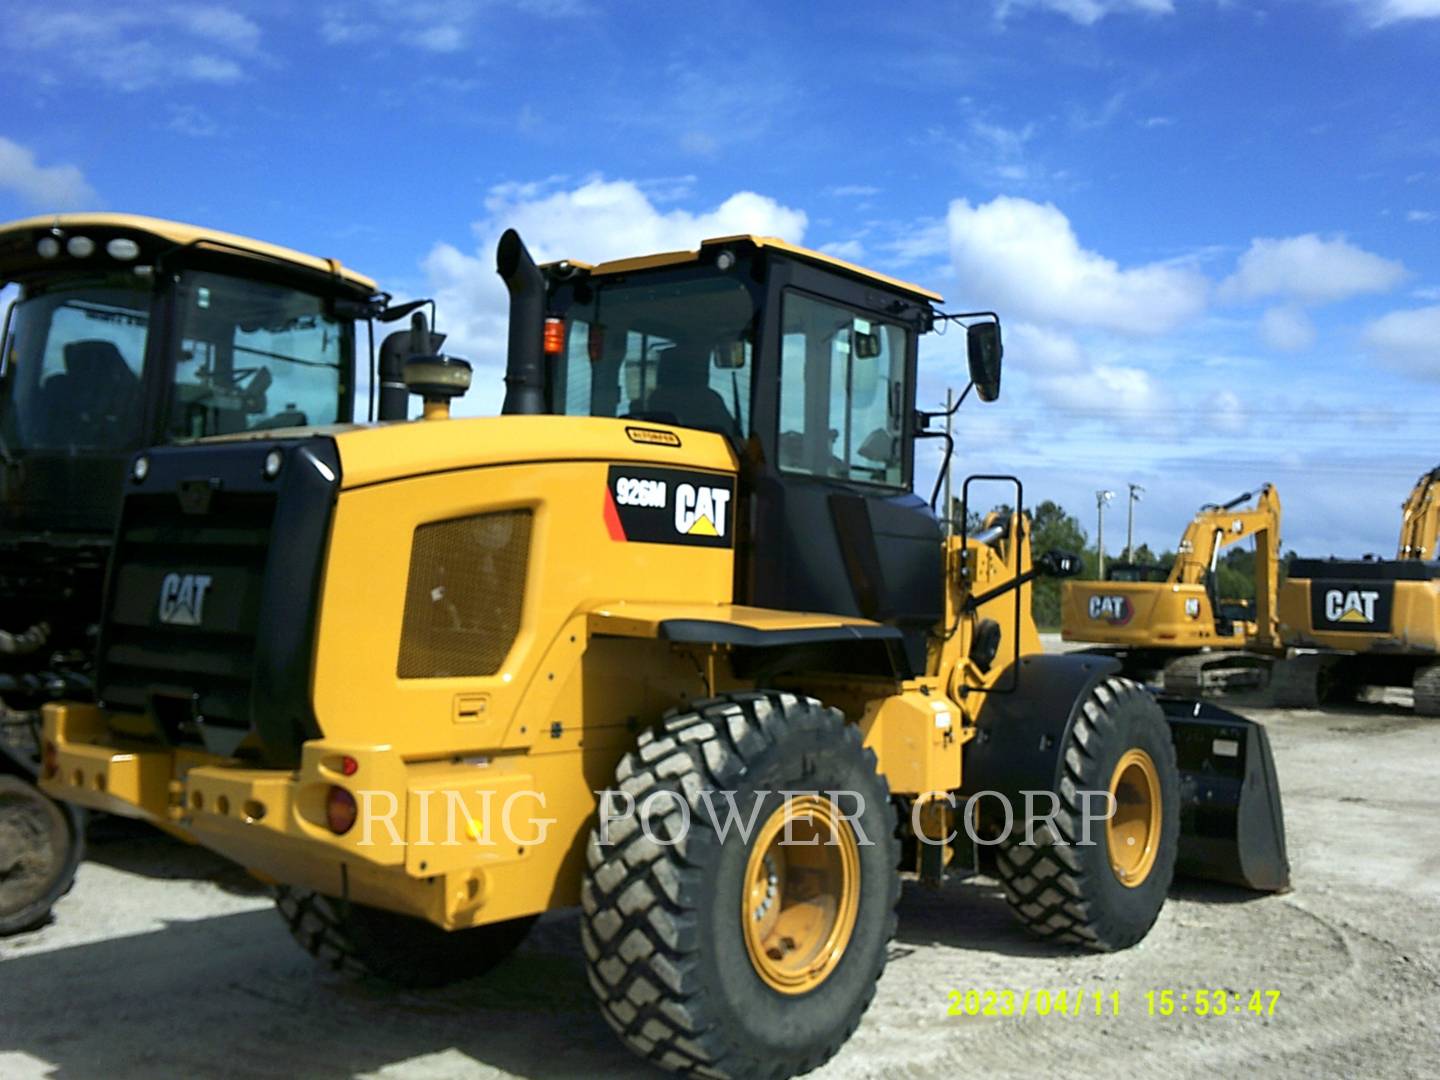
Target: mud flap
<point x="1232" y="828"/>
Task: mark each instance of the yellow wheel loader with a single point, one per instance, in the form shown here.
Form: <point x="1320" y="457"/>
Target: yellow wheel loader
<point x="1351" y="623"/>
<point x="1179" y="625"/>
<point x="129" y="332"/>
<point x="672" y="639"/>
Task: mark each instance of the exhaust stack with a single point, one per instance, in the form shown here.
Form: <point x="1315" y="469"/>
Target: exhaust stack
<point x="524" y="373"/>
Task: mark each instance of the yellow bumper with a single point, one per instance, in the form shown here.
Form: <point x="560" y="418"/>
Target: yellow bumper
<point x="435" y="839"/>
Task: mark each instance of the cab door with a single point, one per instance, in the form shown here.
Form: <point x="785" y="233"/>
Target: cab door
<point x="834" y="525"/>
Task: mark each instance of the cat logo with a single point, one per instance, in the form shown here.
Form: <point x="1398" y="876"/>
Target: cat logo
<point x="700" y="511"/>
<point x="1351" y="606"/>
<point x="649" y="505"/>
<point x="182" y="598"/>
<point x="1116" y="610"/>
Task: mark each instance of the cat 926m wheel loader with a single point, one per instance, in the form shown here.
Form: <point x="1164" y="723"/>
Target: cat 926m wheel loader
<point x="130" y="332"/>
<point x="1367" y="622"/>
<point x="672" y="639"/>
<point x="1180" y="625"/>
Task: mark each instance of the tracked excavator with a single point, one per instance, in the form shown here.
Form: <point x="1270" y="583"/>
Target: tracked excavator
<point x="1351" y="623"/>
<point x="128" y="332"/>
<point x="1179" y="626"/>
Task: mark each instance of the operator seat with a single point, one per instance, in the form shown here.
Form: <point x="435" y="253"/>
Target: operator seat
<point x="94" y="399"/>
<point x="682" y="390"/>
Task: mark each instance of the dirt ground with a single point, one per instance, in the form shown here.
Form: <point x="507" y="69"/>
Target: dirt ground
<point x="166" y="961"/>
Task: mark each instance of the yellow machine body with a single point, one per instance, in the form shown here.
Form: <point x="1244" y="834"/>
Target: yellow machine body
<point x="1180" y="613"/>
<point x="448" y="757"/>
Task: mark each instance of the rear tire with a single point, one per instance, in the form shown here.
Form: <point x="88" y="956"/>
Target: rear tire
<point x="1427" y="690"/>
<point x="399" y="949"/>
<point x="1102" y="895"/>
<point x="41" y="845"/>
<point x="683" y="941"/>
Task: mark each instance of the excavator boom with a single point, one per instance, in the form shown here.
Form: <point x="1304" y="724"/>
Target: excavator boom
<point x="1420" y="520"/>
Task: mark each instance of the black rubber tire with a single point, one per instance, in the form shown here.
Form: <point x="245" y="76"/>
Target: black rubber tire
<point x="1065" y="891"/>
<point x="1427" y="690"/>
<point x="399" y="949"/>
<point x="664" y="946"/>
<point x="41" y="845"/>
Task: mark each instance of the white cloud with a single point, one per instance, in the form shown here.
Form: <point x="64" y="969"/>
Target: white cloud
<point x="1309" y="268"/>
<point x="438" y="26"/>
<point x="1105" y="389"/>
<point x="1089" y="12"/>
<point x="1287" y="329"/>
<point x="193" y="121"/>
<point x="850" y="250"/>
<point x="1423" y="217"/>
<point x="133" y="48"/>
<point x="852" y="191"/>
<point x="46" y="186"/>
<point x="1386" y="12"/>
<point x="1408" y="340"/>
<point x="1024" y="258"/>
<point x="1036" y="348"/>
<point x="592" y="222"/>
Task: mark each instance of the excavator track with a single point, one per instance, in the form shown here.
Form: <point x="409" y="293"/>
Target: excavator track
<point x="1201" y="674"/>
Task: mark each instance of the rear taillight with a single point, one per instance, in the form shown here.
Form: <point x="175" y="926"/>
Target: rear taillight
<point x="50" y="760"/>
<point x="340" y="810"/>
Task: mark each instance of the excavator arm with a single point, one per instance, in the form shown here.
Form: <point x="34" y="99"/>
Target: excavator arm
<point x="1217" y="527"/>
<point x="1420" y="521"/>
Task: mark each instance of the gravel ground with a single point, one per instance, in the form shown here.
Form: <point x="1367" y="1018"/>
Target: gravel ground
<point x="166" y="961"/>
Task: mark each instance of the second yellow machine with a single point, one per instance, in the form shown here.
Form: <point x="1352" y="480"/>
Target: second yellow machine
<point x="1174" y="620"/>
<point x="673" y="640"/>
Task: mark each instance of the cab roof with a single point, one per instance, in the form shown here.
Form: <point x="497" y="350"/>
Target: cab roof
<point x="179" y="233"/>
<point x="673" y="258"/>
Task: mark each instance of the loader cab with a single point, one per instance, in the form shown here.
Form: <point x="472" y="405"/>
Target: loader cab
<point x="808" y="366"/>
<point x="129" y="332"/>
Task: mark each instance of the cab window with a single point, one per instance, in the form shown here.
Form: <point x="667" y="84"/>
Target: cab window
<point x="255" y="355"/>
<point x="842" y="393"/>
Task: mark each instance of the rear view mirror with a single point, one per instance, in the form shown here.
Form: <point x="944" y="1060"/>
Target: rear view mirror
<point x="867" y="345"/>
<point x="730" y="355"/>
<point x="983" y="343"/>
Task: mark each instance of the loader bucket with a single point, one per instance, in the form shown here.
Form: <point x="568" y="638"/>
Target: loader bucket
<point x="1232" y="828"/>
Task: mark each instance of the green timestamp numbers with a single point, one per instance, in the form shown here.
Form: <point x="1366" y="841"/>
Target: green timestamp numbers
<point x="1211" y="1002"/>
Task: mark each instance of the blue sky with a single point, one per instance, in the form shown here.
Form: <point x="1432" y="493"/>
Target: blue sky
<point x="1212" y="227"/>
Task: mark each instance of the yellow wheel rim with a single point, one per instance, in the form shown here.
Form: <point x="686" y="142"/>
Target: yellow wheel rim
<point x="1133" y="833"/>
<point x="801" y="894"/>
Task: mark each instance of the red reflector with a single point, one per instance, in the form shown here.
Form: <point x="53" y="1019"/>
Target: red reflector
<point x="554" y="337"/>
<point x="340" y="810"/>
<point x="50" y="758"/>
<point x="349" y="766"/>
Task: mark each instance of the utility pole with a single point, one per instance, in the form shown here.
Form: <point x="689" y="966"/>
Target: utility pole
<point x="1101" y="498"/>
<point x="949" y="430"/>
<point x="1135" y="491"/>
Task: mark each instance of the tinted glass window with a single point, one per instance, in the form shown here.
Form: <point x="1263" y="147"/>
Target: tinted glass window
<point x="254" y="355"/>
<point x="73" y="369"/>
<point x="842" y="393"/>
<point x="679" y="353"/>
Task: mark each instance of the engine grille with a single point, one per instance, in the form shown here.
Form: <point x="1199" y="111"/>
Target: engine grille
<point x="465" y="594"/>
<point x="194" y="680"/>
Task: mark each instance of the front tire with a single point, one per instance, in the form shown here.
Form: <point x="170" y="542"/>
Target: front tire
<point x="1105" y="894"/>
<point x="41" y="845"/>
<point x="399" y="949"/>
<point x="745" y="954"/>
